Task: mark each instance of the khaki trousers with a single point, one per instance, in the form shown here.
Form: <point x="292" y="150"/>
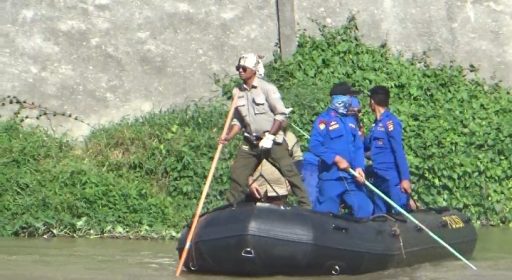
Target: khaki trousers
<point x="246" y="161"/>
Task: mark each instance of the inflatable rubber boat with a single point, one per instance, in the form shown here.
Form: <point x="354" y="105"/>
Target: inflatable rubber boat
<point x="264" y="239"/>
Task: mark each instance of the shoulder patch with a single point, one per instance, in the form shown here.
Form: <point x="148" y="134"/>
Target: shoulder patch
<point x="390" y="125"/>
<point x="322" y="124"/>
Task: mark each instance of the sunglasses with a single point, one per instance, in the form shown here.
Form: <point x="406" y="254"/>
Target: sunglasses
<point x="243" y="67"/>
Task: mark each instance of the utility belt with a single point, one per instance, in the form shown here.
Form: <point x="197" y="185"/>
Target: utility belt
<point x="254" y="139"/>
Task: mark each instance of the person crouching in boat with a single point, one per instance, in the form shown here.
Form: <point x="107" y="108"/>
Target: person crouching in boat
<point x="336" y="140"/>
<point x="267" y="184"/>
<point x="389" y="163"/>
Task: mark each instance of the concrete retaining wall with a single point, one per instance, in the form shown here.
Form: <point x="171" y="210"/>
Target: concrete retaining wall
<point x="102" y="60"/>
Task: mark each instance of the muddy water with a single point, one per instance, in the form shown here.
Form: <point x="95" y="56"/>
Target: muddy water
<point x="72" y="259"/>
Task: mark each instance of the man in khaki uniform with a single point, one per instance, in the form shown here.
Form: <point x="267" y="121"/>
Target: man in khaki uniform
<point x="272" y="187"/>
<point x="260" y="114"/>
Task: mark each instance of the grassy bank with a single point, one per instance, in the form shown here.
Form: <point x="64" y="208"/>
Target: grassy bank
<point x="142" y="177"/>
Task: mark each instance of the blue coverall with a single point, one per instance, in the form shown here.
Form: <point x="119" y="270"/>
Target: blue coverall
<point x="332" y="135"/>
<point x="309" y="174"/>
<point x="389" y="162"/>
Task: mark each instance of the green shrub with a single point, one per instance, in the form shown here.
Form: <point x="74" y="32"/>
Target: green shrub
<point x="48" y="187"/>
<point x="456" y="129"/>
<point x="143" y="177"/>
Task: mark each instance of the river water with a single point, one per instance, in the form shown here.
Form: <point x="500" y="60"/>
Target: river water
<point x="73" y="259"/>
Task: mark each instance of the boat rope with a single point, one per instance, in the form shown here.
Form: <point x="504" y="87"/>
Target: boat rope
<point x="336" y="270"/>
<point x="395" y="231"/>
<point x="193" y="263"/>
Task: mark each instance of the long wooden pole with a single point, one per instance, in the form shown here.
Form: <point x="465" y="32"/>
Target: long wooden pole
<point x="205" y="190"/>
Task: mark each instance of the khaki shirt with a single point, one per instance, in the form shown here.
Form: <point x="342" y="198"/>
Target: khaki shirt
<point x="268" y="178"/>
<point x="257" y="107"/>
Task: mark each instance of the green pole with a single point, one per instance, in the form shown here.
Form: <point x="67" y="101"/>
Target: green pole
<point x="413" y="219"/>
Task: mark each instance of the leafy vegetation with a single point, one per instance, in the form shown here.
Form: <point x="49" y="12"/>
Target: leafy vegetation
<point x="456" y="127"/>
<point x="143" y="177"/>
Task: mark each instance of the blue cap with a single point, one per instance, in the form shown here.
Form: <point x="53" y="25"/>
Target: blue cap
<point x="355" y="102"/>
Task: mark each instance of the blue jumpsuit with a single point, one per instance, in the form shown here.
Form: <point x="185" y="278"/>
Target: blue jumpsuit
<point x="333" y="135"/>
<point x="389" y="162"/>
<point x="309" y="172"/>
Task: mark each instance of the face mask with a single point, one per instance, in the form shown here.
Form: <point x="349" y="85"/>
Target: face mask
<point x="340" y="103"/>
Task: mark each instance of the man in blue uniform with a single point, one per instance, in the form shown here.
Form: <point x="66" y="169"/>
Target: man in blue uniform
<point x="384" y="142"/>
<point x="336" y="141"/>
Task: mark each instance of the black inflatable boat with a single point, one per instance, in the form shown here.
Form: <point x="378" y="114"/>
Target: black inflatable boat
<point x="264" y="239"/>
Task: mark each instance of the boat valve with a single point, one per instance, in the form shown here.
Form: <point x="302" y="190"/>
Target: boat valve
<point x="248" y="252"/>
<point x="336" y="270"/>
<point x="335" y="267"/>
<point x="192" y="266"/>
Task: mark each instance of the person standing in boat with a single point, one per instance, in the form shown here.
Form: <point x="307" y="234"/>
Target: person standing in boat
<point x="260" y="114"/>
<point x="336" y="140"/>
<point x="309" y="169"/>
<point x="270" y="185"/>
<point x="384" y="144"/>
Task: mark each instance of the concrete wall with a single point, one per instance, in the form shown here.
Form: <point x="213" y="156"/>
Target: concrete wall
<point x="102" y="60"/>
<point x="467" y="31"/>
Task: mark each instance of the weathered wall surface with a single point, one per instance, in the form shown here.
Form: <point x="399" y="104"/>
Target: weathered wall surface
<point x="467" y="31"/>
<point x="103" y="60"/>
